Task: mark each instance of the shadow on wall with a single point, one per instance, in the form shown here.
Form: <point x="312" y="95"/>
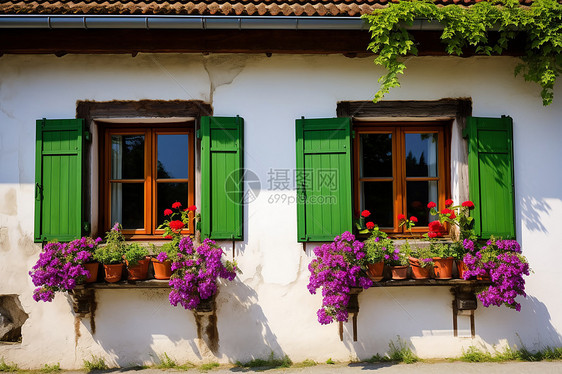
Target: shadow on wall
<point x="139" y="326"/>
<point x="531" y="211"/>
<point x="243" y="327"/>
<point x="531" y="327"/>
<point x="387" y="313"/>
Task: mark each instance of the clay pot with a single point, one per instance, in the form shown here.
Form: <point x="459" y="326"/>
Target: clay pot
<point x="138" y="271"/>
<point x="461" y="268"/>
<point x="113" y="272"/>
<point x="375" y="271"/>
<point x="162" y="270"/>
<point x="443" y="267"/>
<point x="399" y="272"/>
<point x="92" y="268"/>
<point x="418" y="272"/>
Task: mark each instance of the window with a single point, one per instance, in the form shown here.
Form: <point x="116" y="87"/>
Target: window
<point x="92" y="171"/>
<point x="398" y="169"/>
<point x="146" y="168"/>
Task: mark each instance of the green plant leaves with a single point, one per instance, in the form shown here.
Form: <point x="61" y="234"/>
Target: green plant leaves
<point x="540" y="26"/>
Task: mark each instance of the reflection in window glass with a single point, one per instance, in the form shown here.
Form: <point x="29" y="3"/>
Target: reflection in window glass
<point x="167" y="194"/>
<point x="421" y="155"/>
<point x="376" y="155"/>
<point x="127" y="157"/>
<point x="127" y="205"/>
<point x="418" y="195"/>
<point x="173" y="160"/>
<point x="378" y="199"/>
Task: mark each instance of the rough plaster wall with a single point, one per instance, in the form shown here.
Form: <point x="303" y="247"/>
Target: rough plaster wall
<point x="269" y="308"/>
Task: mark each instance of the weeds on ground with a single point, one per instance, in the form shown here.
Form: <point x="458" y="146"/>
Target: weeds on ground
<point x="97" y="363"/>
<point x="168" y="363"/>
<point x="7" y="367"/>
<point x="474" y="354"/>
<point x="398" y="352"/>
<point x="51" y="368"/>
<point x="271" y="362"/>
<point x="209" y="366"/>
<point x="330" y="361"/>
<point x="305" y="364"/>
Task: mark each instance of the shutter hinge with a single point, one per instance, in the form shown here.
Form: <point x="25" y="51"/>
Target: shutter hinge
<point x="198" y="134"/>
<point x="87" y="227"/>
<point x="88" y="136"/>
<point x="352" y="134"/>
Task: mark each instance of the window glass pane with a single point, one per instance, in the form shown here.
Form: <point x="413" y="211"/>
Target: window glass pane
<point x="167" y="194"/>
<point x="376" y="155"/>
<point x="127" y="157"/>
<point x="173" y="154"/>
<point x="418" y="195"/>
<point x="127" y="205"/>
<point x="421" y="155"/>
<point x="377" y="197"/>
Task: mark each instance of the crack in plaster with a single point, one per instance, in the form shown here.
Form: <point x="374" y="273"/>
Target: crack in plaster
<point x="222" y="70"/>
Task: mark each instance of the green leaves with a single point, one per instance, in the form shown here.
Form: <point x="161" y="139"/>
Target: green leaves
<point x="539" y="26"/>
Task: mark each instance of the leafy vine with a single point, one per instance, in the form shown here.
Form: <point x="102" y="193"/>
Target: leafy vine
<point x="539" y="26"/>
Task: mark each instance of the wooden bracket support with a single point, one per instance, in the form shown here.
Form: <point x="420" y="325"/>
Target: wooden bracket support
<point x="353" y="310"/>
<point x="464" y="303"/>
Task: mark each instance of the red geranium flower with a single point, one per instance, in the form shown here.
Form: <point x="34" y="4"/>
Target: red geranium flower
<point x="168" y="237"/>
<point x="436" y="229"/>
<point x="365" y="213"/>
<point x="176" y="205"/>
<point x="413" y="219"/>
<point x="446" y="211"/>
<point x="431" y="204"/>
<point x="370" y="225"/>
<point x="401" y="217"/>
<point x="468" y="204"/>
<point x="167" y="212"/>
<point x="176" y="225"/>
<point x="192" y="208"/>
<point x="448" y="202"/>
<point x="432" y="234"/>
<point x="452" y="215"/>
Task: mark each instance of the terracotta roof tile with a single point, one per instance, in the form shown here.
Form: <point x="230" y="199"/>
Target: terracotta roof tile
<point x="205" y="7"/>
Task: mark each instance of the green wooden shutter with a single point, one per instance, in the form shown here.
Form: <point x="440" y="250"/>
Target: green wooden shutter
<point x="491" y="181"/>
<point x="58" y="180"/>
<point x="323" y="177"/>
<point x="222" y="177"/>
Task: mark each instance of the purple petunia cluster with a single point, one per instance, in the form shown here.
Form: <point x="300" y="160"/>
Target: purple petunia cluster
<point x="196" y="271"/>
<point x="503" y="262"/>
<point x="60" y="267"/>
<point x="337" y="268"/>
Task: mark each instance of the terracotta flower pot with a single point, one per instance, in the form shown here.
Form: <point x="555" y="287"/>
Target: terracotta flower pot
<point x="443" y="267"/>
<point x="418" y="272"/>
<point x="138" y="271"/>
<point x="375" y="271"/>
<point x="162" y="270"/>
<point x="461" y="267"/>
<point x="92" y="268"/>
<point x="113" y="272"/>
<point x="399" y="272"/>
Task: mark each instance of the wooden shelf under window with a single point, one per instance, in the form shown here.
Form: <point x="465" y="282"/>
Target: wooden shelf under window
<point x="149" y="283"/>
<point x="430" y="282"/>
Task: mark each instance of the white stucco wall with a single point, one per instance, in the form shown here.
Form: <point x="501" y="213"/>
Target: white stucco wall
<point x="268" y="307"/>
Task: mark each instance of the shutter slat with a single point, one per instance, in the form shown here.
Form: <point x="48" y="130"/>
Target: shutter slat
<point x="222" y="188"/>
<point x="491" y="180"/>
<point x="58" y="178"/>
<point x="324" y="205"/>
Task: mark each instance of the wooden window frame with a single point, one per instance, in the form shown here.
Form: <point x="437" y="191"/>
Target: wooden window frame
<point x="150" y="131"/>
<point x="398" y="131"/>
